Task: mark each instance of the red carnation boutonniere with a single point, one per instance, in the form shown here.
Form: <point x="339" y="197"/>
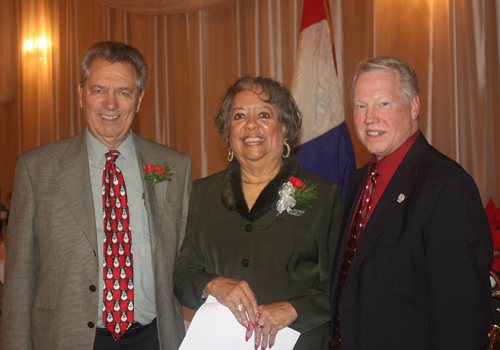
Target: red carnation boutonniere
<point x="156" y="174"/>
<point x="296" y="195"/>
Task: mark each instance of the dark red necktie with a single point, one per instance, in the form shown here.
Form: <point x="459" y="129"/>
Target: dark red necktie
<point x="118" y="291"/>
<point x="355" y="232"/>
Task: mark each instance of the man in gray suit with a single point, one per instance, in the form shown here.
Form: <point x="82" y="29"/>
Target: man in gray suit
<point x="53" y="296"/>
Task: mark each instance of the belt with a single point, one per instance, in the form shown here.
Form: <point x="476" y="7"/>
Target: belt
<point x="133" y="331"/>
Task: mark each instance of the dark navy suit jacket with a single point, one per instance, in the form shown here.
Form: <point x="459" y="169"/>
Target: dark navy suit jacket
<point x="419" y="278"/>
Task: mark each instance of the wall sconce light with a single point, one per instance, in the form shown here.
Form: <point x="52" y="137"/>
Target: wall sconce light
<point x="38" y="48"/>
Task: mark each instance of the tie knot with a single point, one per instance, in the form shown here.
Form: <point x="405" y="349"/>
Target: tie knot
<point x="111" y="156"/>
<point x="373" y="173"/>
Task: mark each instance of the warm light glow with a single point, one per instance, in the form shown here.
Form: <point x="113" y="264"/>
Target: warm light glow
<point x="28" y="45"/>
<point x="37" y="47"/>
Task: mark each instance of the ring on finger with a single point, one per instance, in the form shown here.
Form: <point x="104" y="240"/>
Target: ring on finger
<point x="240" y="308"/>
<point x="259" y="325"/>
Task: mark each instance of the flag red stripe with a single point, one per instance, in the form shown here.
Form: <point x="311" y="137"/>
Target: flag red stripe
<point x="315" y="11"/>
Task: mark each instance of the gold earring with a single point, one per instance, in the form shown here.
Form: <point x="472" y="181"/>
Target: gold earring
<point x="230" y="154"/>
<point x="287" y="150"/>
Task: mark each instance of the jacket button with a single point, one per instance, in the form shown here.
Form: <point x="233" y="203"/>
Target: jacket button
<point x="90" y="324"/>
<point x="248" y="228"/>
<point x="92" y="288"/>
<point x="245" y="262"/>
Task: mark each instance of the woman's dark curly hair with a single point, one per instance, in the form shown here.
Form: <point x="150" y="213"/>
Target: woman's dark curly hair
<point x="269" y="91"/>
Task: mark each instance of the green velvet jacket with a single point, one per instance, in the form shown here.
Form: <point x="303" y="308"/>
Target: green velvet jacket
<point x="282" y="257"/>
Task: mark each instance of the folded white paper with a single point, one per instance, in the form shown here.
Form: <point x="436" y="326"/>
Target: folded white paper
<point x="215" y="327"/>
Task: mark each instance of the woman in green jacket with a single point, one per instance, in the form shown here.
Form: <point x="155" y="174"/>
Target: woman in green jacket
<point x="261" y="235"/>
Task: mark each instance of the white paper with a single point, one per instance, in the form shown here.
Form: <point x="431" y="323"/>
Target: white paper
<point x="215" y="327"/>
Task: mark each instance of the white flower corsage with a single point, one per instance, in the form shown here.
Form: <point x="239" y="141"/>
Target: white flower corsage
<point x="296" y="193"/>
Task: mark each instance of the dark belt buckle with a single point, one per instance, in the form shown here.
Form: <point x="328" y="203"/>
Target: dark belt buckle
<point x="134" y="330"/>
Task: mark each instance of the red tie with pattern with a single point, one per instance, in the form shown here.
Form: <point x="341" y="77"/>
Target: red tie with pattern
<point x="355" y="232"/>
<point x="118" y="290"/>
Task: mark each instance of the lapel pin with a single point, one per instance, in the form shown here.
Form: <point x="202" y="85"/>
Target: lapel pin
<point x="401" y="198"/>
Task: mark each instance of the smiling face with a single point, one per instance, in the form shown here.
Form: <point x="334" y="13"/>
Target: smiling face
<point x="255" y="130"/>
<point x="382" y="118"/>
<point x="110" y="99"/>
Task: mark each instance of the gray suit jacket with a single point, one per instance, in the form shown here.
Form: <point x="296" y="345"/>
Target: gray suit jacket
<point x="52" y="269"/>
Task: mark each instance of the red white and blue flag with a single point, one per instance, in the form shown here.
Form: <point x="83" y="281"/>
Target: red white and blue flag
<point x="325" y="146"/>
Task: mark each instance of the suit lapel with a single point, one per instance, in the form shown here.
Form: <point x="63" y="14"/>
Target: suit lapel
<point x="75" y="185"/>
<point x="146" y="155"/>
<point x="388" y="204"/>
<point x="353" y="192"/>
<point x="352" y="200"/>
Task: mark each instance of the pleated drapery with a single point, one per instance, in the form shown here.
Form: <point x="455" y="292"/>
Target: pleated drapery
<point x="161" y="7"/>
<point x="196" y="49"/>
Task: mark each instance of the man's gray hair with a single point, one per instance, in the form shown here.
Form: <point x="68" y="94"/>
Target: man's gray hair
<point x="113" y="51"/>
<point x="409" y="81"/>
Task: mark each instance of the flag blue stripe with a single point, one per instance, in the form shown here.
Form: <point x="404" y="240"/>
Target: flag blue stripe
<point x="331" y="156"/>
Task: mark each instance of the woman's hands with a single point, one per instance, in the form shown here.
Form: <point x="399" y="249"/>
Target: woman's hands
<point x="238" y="297"/>
<point x="264" y="320"/>
<point x="273" y="317"/>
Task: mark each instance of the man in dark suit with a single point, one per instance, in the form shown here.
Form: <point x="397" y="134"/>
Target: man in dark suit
<point x="411" y="269"/>
<point x="53" y="296"/>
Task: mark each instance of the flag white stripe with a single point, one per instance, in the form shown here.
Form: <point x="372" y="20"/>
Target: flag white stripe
<point x="315" y="84"/>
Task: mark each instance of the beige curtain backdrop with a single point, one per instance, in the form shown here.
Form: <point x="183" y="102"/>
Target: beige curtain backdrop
<point x="8" y="51"/>
<point x="196" y="49"/>
<point x="162" y="7"/>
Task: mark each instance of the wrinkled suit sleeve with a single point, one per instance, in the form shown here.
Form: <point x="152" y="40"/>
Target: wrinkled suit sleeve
<point x="190" y="277"/>
<point x="313" y="308"/>
<point x="458" y="254"/>
<point x="21" y="265"/>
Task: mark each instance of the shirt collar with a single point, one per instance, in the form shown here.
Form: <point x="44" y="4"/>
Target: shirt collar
<point x="390" y="163"/>
<point x="97" y="150"/>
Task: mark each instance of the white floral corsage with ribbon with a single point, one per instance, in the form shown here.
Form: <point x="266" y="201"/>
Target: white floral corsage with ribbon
<point x="296" y="196"/>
